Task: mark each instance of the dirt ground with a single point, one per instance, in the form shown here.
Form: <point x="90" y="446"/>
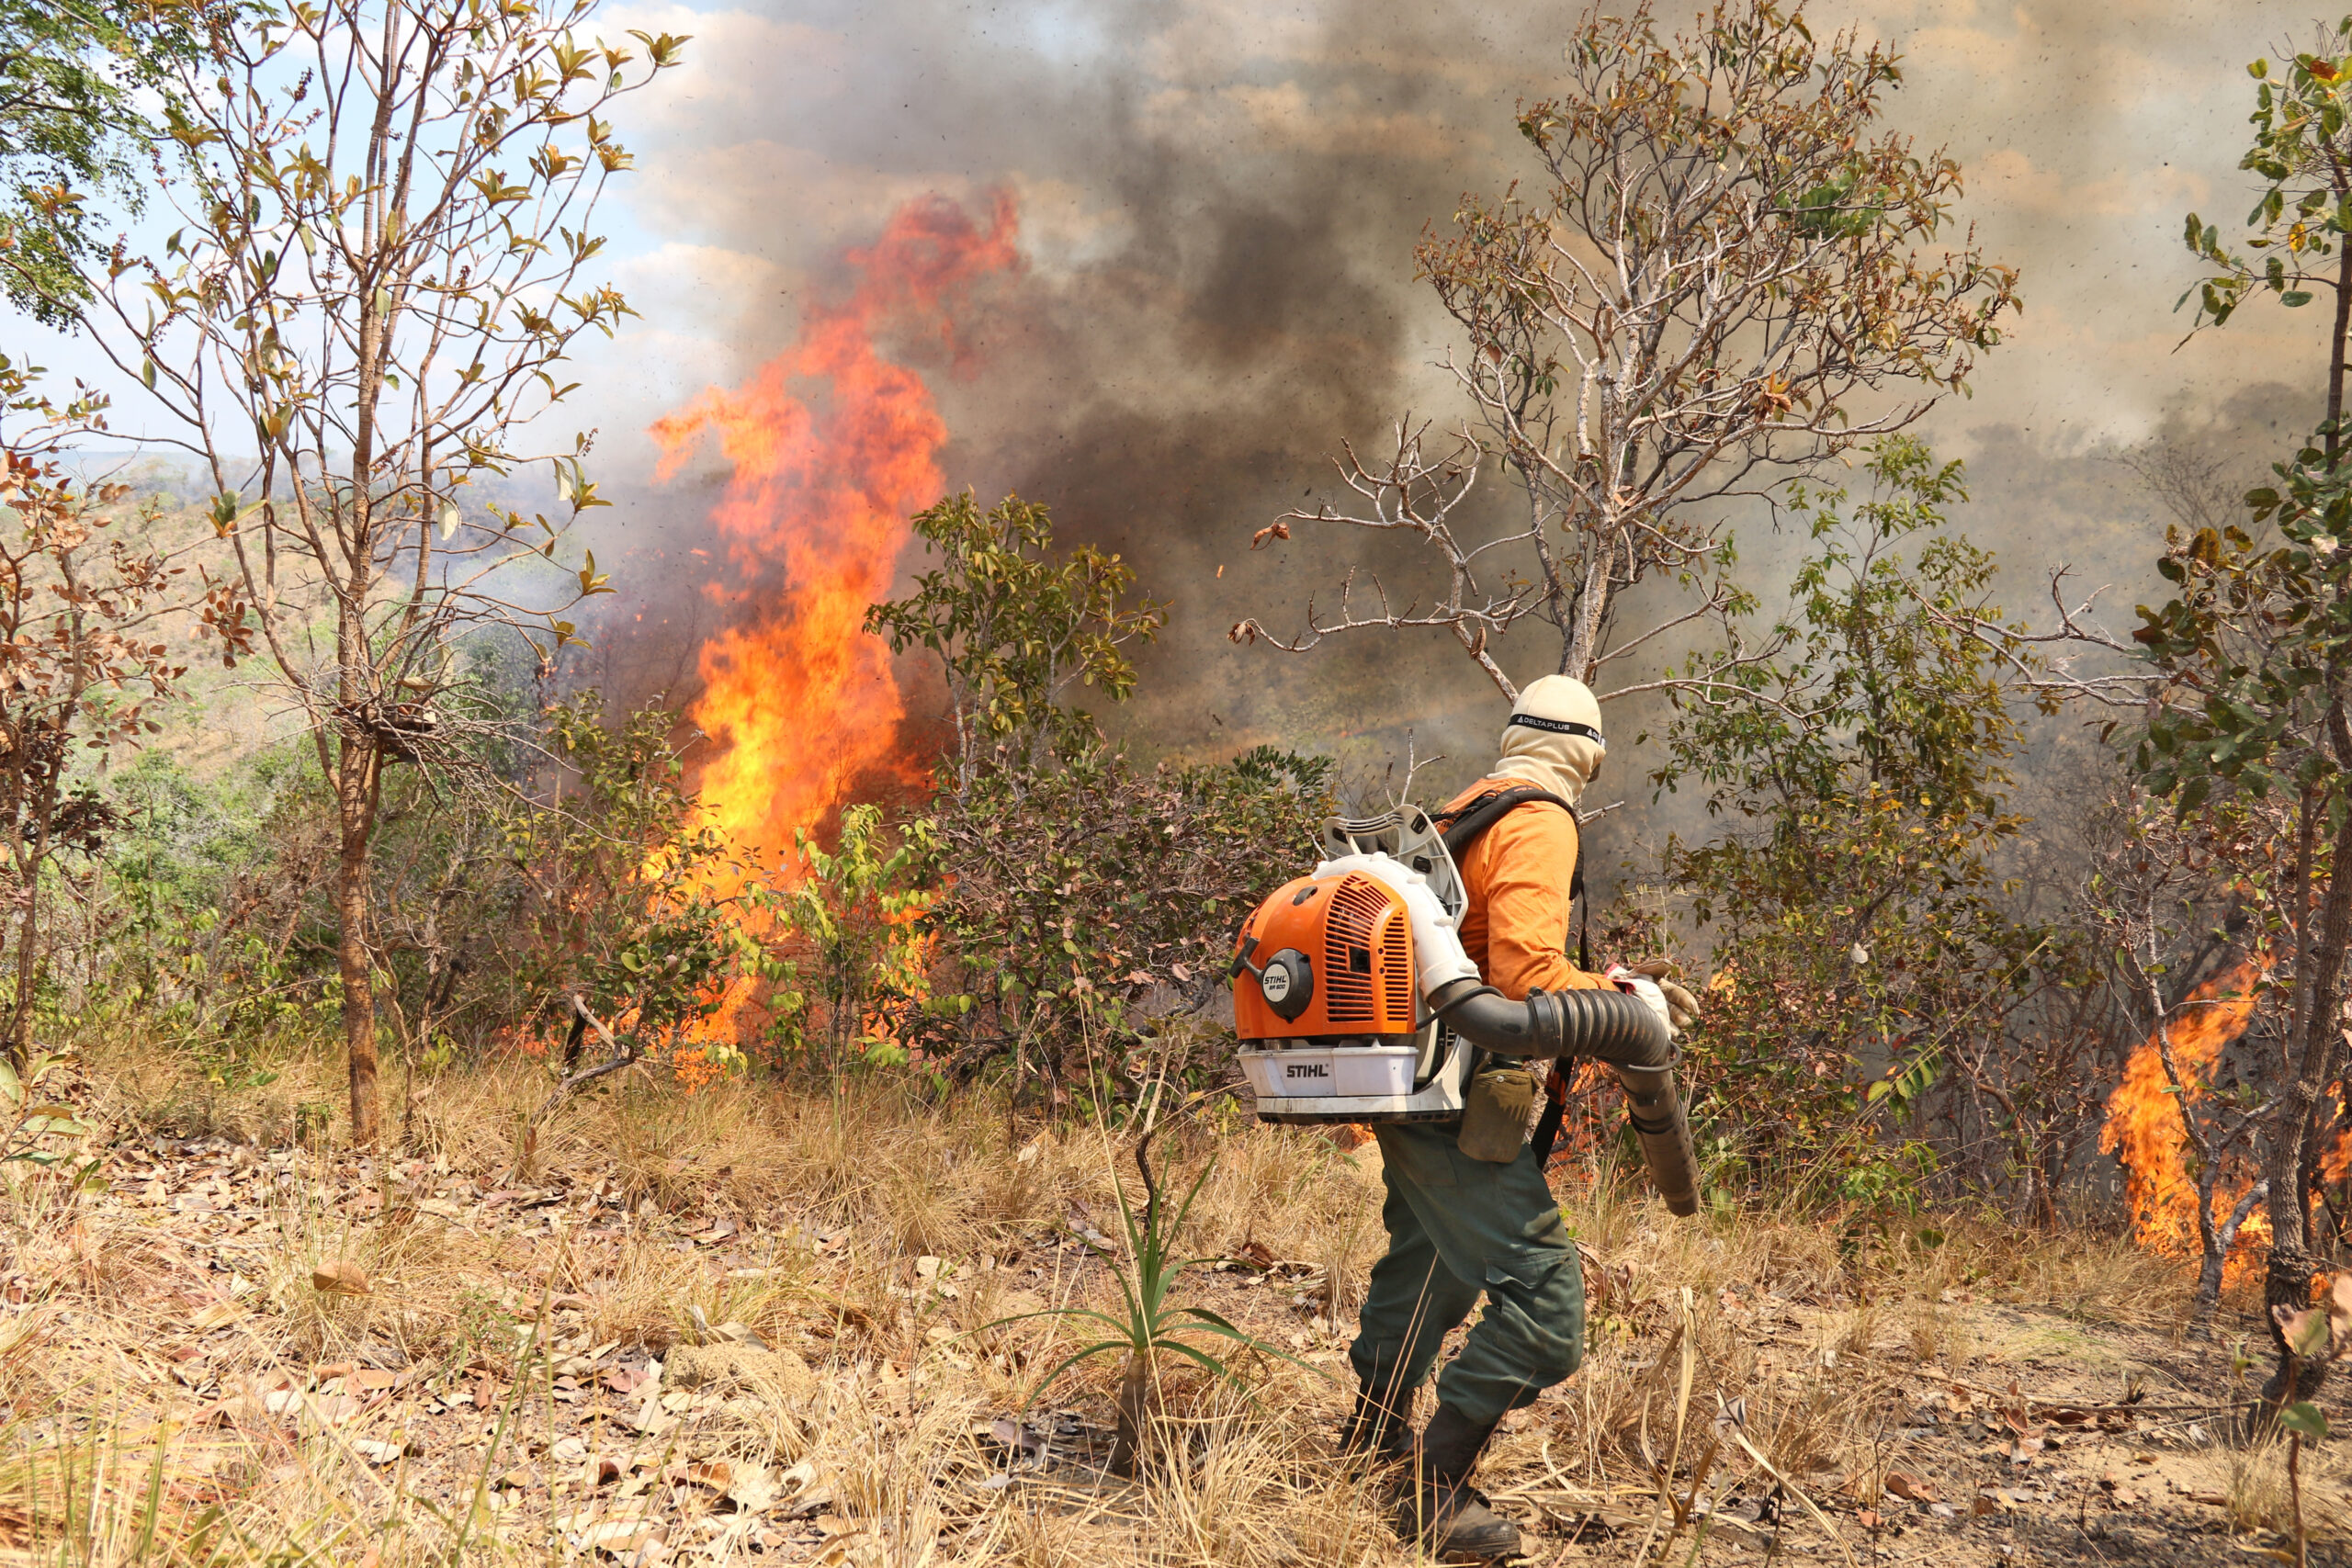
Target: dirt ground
<point x="774" y="1331"/>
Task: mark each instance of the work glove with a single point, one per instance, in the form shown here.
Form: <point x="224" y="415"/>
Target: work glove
<point x="1649" y="991"/>
<point x="1680" y="1002"/>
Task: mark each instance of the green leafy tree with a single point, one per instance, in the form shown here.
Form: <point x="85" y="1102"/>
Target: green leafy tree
<point x="2252" y="745"/>
<point x="70" y="131"/>
<point x="1860" y="943"/>
<point x="1075" y="887"/>
<point x="2252" y="693"/>
<point x="1015" y="627"/>
<point x="383" y="257"/>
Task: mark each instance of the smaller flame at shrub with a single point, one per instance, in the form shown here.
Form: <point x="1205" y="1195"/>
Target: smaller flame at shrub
<point x="2144" y="1125"/>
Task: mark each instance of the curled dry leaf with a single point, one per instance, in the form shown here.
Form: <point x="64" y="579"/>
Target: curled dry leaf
<point x="1910" y="1488"/>
<point x="341" y="1277"/>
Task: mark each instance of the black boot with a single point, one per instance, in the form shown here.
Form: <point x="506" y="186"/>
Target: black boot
<point x="1379" y="1431"/>
<point x="1442" y="1510"/>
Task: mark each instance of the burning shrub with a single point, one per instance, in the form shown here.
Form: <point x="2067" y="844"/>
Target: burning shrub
<point x="607" y="884"/>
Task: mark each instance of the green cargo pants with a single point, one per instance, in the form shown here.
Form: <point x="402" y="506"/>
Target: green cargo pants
<point x="1457" y="1226"/>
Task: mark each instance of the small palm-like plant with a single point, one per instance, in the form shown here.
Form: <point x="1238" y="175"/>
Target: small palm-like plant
<point x="1151" y="1323"/>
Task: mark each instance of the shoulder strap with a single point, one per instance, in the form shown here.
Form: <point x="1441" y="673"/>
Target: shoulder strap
<point x="1464" y="824"/>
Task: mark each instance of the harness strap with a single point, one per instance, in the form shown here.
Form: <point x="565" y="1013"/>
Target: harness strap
<point x="1463" y="827"/>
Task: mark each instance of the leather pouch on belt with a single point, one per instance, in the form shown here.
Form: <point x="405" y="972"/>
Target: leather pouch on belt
<point x="1494" y="1114"/>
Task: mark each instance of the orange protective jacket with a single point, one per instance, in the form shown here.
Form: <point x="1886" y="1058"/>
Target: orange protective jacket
<point x="1517" y="876"/>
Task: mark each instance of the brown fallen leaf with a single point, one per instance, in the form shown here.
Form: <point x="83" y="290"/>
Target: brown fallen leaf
<point x="1911" y="1488"/>
<point x="341" y="1277"/>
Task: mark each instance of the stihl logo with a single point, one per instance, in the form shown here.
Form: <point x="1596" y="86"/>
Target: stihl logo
<point x="1306" y="1070"/>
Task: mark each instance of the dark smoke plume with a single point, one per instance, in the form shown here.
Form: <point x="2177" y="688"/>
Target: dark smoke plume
<point x="1220" y="204"/>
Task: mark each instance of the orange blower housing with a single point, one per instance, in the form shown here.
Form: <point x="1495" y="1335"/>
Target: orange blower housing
<point x="1343" y="941"/>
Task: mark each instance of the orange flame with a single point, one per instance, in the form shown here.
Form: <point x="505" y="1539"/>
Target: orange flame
<point x="2143" y="1124"/>
<point x="832" y="448"/>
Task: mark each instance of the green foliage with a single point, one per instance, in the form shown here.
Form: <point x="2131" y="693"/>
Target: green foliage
<point x="29" y="1118"/>
<point x="2252" y="646"/>
<point x="68" y="131"/>
<point x="1083" y="892"/>
<point x="1015" y="627"/>
<point x="848" y="962"/>
<point x="2304" y="212"/>
<point x="1859" y="757"/>
<point x="2306" y="1419"/>
<point x="82" y="588"/>
<point x="569" y="859"/>
<point x="614" y="882"/>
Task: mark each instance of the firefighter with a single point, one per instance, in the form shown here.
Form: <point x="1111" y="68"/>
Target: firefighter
<point x="1457" y="1226"/>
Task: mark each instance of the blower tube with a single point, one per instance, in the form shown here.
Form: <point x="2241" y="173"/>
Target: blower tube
<point x="1605" y="1026"/>
<point x="1609" y="1027"/>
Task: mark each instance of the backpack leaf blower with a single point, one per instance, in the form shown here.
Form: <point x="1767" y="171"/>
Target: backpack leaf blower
<point x="1354" y="1001"/>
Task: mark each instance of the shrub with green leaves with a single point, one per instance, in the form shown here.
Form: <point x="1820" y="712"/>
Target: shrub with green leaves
<point x="1091" y="894"/>
<point x="1079" y="890"/>
<point x="847" y="955"/>
<point x="1857" y="755"/>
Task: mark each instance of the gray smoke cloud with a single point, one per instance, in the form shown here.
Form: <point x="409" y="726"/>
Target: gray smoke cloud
<point x="1218" y="203"/>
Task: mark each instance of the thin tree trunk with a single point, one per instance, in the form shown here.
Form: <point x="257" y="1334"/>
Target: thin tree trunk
<point x="2336" y="353"/>
<point x="354" y="800"/>
<point x="2217" y="1257"/>
<point x="2286" y="1283"/>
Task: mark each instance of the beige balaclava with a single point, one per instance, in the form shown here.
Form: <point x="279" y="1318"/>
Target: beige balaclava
<point x="1554" y="738"/>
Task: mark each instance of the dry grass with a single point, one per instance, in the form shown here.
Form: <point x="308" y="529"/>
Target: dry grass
<point x="174" y="1387"/>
